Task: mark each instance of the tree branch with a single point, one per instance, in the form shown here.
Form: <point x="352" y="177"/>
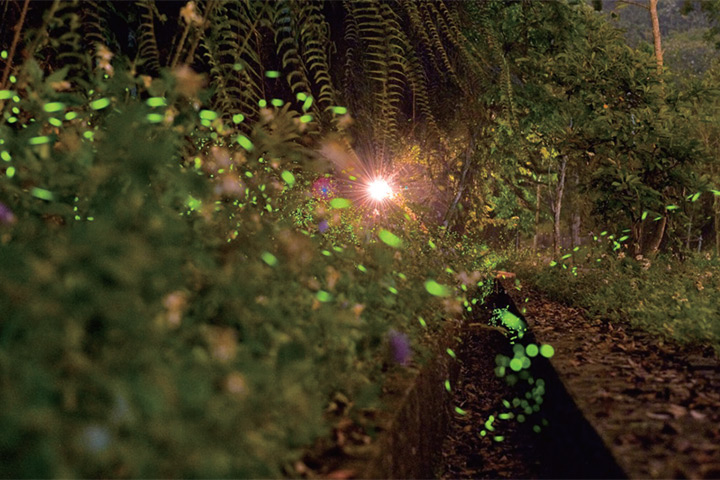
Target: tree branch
<point x="13" y="46"/>
<point x="637" y="4"/>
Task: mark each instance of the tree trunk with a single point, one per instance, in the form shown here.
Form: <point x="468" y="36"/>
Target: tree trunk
<point x="656" y="35"/>
<point x="557" y="207"/>
<point x="638" y="241"/>
<point x="575" y="228"/>
<point x="657" y="237"/>
<point x="462" y="184"/>
<point x="717" y="226"/>
<point x="537" y="219"/>
<point x="13" y="46"/>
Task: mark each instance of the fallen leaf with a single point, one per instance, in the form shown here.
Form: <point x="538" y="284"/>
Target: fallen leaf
<point x="677" y="411"/>
<point x="341" y="474"/>
<point x="697" y="415"/>
<point x="657" y="416"/>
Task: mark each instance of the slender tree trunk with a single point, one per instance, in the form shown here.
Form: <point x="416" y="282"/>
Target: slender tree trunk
<point x="14" y="44"/>
<point x="717" y="225"/>
<point x="575" y="229"/>
<point x="537" y="218"/>
<point x="637" y="233"/>
<point x="689" y="232"/>
<point x="558" y="205"/>
<point x="657" y="237"/>
<point x="462" y="184"/>
<point x="656" y="35"/>
<point x="660" y="231"/>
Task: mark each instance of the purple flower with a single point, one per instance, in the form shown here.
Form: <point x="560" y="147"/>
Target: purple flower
<point x="323" y="226"/>
<point x="399" y="347"/>
<point x="7" y="217"/>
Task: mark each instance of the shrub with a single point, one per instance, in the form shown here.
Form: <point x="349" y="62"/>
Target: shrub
<point x="162" y="316"/>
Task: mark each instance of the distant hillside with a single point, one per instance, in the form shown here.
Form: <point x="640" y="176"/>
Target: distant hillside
<point x="686" y="49"/>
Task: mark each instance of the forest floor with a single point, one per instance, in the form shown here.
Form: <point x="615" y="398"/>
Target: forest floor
<point x="655" y="406"/>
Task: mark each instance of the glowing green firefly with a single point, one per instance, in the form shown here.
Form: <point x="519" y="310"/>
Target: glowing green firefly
<point x="288" y="177"/>
<point x="437" y="289"/>
<point x="53" y="107"/>
<point x="323" y="296"/>
<point x="100" y="103"/>
<point x="390" y="238"/>
<point x="270" y="259"/>
<point x="245" y="142"/>
<point x="340" y="203"/>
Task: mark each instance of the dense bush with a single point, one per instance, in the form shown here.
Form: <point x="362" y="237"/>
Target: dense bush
<point x="163" y="313"/>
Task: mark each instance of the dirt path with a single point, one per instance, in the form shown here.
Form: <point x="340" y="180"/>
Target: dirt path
<point x="656" y="406"/>
<point x="565" y="446"/>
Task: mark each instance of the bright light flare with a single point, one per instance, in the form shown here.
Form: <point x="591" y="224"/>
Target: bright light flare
<point x="379" y="190"/>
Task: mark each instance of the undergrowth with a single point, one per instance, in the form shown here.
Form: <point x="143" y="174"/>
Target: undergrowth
<point x="676" y="300"/>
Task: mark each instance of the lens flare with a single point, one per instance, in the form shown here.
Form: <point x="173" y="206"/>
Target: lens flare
<point x="379" y="190"/>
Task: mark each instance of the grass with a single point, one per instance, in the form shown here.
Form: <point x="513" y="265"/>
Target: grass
<point x="676" y="300"/>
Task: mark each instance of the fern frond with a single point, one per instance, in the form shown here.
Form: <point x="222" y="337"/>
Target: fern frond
<point x="315" y="40"/>
<point x="64" y="46"/>
<point x="232" y="48"/>
<point x="95" y="27"/>
<point x="148" y="51"/>
<point x="286" y="36"/>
